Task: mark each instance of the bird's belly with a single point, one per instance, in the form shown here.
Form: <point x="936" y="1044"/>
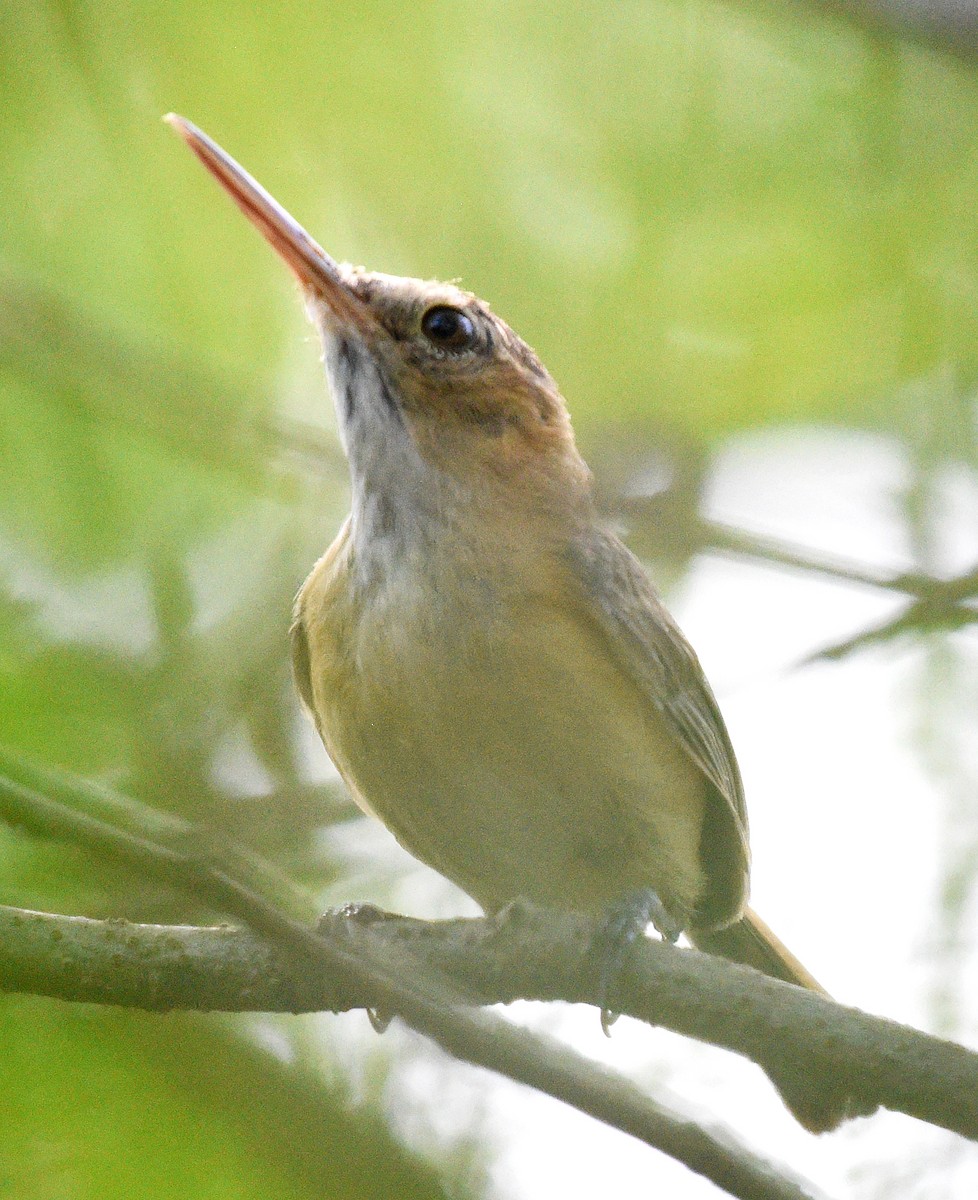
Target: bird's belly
<point x="524" y="765"/>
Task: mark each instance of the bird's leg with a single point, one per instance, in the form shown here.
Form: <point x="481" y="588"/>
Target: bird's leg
<point x="625" y="921"/>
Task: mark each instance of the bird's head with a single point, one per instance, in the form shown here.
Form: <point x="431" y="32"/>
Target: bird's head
<point x="419" y="370"/>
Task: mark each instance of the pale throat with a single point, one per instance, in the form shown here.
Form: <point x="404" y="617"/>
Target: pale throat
<point x="406" y="513"/>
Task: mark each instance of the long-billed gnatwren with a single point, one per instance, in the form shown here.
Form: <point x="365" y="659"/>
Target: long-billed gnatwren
<point x="491" y="670"/>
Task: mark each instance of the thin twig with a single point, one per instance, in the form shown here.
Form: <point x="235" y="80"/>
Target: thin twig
<point x="721" y="538"/>
<point x="918" y="618"/>
<point x="937" y="604"/>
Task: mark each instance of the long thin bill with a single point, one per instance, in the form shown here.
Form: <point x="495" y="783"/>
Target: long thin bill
<point x="309" y="262"/>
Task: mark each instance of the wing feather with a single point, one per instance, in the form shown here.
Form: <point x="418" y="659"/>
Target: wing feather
<point x="652" y="651"/>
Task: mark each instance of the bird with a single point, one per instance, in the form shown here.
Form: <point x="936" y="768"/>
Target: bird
<point x="490" y="669"/>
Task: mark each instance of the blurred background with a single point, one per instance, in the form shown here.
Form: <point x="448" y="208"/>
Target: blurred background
<point x="743" y="238"/>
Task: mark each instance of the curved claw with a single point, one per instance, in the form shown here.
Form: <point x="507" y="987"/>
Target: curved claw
<point x="625" y="922"/>
<point x="349" y="915"/>
<point x="608" y="1018"/>
<point x="379" y="1020"/>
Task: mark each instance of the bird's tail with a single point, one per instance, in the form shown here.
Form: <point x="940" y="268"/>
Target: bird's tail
<point x="749" y="941"/>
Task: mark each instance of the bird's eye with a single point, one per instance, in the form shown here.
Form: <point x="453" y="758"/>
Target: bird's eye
<point x="448" y="328"/>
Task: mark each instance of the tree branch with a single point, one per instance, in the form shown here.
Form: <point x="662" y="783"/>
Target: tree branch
<point x="798" y="1037"/>
<point x="721" y="538"/>
<point x="389" y="975"/>
<point x="718" y="537"/>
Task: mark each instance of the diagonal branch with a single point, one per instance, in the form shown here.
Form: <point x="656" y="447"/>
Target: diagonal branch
<point x="722" y="538"/>
<point x="943" y="607"/>
<point x="718" y="537"/>
<point x="419" y="993"/>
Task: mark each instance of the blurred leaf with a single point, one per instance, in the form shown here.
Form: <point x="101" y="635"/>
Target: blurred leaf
<point x="728" y="215"/>
<point x="103" y="1105"/>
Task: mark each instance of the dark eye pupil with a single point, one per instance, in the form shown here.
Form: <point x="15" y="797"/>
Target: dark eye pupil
<point x="448" y="327"/>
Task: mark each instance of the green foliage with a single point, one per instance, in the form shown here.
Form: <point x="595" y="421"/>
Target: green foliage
<point x="107" y="1105"/>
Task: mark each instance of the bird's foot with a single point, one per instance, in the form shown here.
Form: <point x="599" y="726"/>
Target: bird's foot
<point x="625" y="922"/>
<point x="353" y="914"/>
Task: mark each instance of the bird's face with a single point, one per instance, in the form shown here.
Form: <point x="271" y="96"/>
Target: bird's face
<point x="416" y="365"/>
<point x="435" y="363"/>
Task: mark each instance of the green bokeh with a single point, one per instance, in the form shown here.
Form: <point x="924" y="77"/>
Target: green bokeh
<point x="703" y="217"/>
<point x="103" y="1105"/>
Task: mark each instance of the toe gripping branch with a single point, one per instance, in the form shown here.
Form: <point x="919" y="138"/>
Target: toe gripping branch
<point x="364" y="915"/>
<point x="625" y="922"/>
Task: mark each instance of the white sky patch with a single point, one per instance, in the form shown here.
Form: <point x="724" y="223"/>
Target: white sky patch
<point x="110" y="609"/>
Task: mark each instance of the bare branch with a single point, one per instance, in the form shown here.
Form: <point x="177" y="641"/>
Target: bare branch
<point x="722" y="538"/>
<point x="944" y="606"/>
<point x="719" y="537"/>
<point x="804" y="1040"/>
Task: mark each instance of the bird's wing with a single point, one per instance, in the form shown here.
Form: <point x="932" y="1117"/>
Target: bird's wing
<point x="652" y="651"/>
